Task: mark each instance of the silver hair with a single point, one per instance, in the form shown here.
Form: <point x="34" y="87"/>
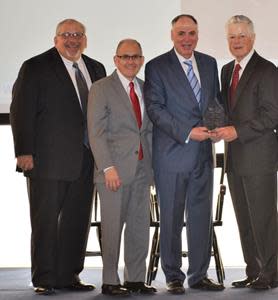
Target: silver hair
<point x="60" y="24"/>
<point x="241" y="19"/>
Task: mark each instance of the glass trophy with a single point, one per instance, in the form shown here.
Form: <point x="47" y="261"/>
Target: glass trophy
<point x="214" y="116"/>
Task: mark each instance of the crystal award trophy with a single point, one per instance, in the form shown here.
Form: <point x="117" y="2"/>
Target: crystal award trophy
<point x="214" y="116"/>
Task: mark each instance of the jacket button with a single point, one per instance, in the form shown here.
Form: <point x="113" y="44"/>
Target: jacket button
<point x="136" y="152"/>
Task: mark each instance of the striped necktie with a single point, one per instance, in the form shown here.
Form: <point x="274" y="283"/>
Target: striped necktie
<point x="83" y="94"/>
<point x="194" y="83"/>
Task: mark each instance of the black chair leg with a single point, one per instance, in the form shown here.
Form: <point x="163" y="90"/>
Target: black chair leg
<point x="154" y="257"/>
<point x="218" y="261"/>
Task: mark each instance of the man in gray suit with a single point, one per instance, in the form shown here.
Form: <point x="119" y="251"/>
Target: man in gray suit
<point x="120" y="138"/>
<point x="250" y="94"/>
<point x="179" y="85"/>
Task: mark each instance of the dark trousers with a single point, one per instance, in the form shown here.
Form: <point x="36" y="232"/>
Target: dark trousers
<point x="186" y="196"/>
<point x="255" y="204"/>
<point x="60" y="214"/>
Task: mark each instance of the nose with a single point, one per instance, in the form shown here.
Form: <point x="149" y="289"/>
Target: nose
<point x="237" y="39"/>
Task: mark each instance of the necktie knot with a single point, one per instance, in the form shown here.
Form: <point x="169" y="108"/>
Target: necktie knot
<point x="237" y="68"/>
<point x="234" y="83"/>
<point x="131" y="85"/>
<point x="189" y="65"/>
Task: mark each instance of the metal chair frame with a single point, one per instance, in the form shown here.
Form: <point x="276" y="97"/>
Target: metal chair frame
<point x="155" y="221"/>
<point x="95" y="222"/>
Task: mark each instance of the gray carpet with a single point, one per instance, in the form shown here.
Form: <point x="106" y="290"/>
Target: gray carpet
<point x="15" y="285"/>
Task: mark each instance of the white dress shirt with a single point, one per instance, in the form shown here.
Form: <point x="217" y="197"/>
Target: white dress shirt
<point x="125" y="82"/>
<point x="71" y="70"/>
<point x="243" y="63"/>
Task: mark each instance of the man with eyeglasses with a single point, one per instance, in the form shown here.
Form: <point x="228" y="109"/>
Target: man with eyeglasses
<point x="48" y="119"/>
<point x="120" y="138"/>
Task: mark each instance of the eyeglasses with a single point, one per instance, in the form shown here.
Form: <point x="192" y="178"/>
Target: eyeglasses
<point x="126" y="57"/>
<point x="75" y="35"/>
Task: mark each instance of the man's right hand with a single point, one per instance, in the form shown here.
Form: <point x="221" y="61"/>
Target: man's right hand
<point x="112" y="179"/>
<point x="25" y="162"/>
<point x="199" y="134"/>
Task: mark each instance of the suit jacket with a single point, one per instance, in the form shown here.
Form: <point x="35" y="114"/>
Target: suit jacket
<point x="113" y="131"/>
<point x="46" y="117"/>
<point x="254" y="116"/>
<point x="174" y="111"/>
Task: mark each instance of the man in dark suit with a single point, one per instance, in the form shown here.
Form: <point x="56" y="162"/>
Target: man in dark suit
<point x="120" y="136"/>
<point x="178" y="87"/>
<point x="250" y="91"/>
<point x="48" y="119"/>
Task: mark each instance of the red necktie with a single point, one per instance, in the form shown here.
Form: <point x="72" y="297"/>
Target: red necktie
<point x="233" y="86"/>
<point x="136" y="107"/>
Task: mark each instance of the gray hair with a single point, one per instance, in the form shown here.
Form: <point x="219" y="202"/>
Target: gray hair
<point x="175" y="20"/>
<point x="241" y="19"/>
<point x="128" y="41"/>
<point x="60" y="24"/>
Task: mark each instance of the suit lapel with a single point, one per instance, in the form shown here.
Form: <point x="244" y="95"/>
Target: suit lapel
<point x="63" y="75"/>
<point x="123" y="96"/>
<point x="247" y="73"/>
<point x="225" y="81"/>
<point x="90" y="69"/>
<point x="145" y="116"/>
<point x="179" y="75"/>
<point x="60" y="69"/>
<point x="204" y="78"/>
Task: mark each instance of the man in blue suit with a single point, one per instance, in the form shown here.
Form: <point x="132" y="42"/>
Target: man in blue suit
<point x="178" y="87"/>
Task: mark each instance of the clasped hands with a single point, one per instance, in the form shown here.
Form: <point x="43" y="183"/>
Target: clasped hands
<point x="227" y="133"/>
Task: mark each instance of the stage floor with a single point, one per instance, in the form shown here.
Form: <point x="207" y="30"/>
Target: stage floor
<point x="15" y="285"/>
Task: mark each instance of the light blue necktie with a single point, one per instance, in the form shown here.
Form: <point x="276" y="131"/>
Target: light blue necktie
<point x="194" y="83"/>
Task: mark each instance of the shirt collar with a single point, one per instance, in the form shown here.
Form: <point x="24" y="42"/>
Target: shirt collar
<point x="182" y="59"/>
<point x="245" y="60"/>
<point x="126" y="81"/>
<point x="69" y="63"/>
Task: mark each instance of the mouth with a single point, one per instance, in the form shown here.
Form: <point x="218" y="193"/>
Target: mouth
<point x="238" y="48"/>
<point x="186" y="46"/>
<point x="72" y="46"/>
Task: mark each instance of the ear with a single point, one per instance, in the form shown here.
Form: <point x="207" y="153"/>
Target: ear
<point x="143" y="60"/>
<point x="172" y="35"/>
<point x="85" y="42"/>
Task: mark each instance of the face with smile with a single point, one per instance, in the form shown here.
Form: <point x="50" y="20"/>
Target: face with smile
<point x="240" y="39"/>
<point x="129" y="59"/>
<point x="184" y="35"/>
<point x="70" y="40"/>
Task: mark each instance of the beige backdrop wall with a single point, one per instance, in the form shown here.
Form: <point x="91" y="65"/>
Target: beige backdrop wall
<point x="213" y="14"/>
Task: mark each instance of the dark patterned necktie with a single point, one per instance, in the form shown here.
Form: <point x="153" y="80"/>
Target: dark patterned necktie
<point x="83" y="94"/>
<point x="137" y="110"/>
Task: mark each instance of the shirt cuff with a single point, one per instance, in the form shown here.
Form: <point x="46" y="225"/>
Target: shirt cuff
<point x="106" y="169"/>
<point x="188" y="138"/>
